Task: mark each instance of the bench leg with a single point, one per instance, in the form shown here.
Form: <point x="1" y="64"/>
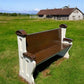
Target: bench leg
<point x="65" y="52"/>
<point x="21" y="49"/>
<point x="66" y="55"/>
<point x="26" y="72"/>
<point x="29" y="68"/>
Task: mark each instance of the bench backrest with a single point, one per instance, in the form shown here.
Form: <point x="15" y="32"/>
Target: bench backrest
<point x="38" y="41"/>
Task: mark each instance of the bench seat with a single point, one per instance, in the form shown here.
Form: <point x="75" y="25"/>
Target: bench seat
<point x="48" y="52"/>
<point x="45" y="54"/>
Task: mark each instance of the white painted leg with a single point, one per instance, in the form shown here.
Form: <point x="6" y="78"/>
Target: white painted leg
<point x="30" y="66"/>
<point x="66" y="55"/>
<point x="26" y="65"/>
<point x="21" y="67"/>
<point x="64" y="52"/>
<point x="21" y="49"/>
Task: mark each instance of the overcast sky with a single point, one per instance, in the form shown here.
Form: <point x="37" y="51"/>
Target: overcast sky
<point x="26" y="5"/>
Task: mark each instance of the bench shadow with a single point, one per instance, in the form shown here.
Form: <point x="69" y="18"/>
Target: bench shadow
<point x="44" y="65"/>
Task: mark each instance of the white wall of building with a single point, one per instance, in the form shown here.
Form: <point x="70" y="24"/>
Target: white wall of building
<point x="76" y="15"/>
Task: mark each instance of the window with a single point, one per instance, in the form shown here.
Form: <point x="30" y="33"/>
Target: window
<point x="73" y="17"/>
<point x="78" y="17"/>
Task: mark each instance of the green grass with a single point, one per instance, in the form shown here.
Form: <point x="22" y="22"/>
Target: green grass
<point x="70" y="71"/>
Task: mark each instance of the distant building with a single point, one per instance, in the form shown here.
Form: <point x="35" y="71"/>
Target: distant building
<point x="62" y="14"/>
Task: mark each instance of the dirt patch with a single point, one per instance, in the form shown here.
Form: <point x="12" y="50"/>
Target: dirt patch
<point x="46" y="73"/>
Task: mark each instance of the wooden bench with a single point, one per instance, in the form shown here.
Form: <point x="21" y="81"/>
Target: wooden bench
<point x="38" y="47"/>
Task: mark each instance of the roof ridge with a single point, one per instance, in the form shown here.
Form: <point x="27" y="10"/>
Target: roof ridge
<point x="58" y="8"/>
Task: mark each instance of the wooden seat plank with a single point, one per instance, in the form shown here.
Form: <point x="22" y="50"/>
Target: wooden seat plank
<point x="44" y="54"/>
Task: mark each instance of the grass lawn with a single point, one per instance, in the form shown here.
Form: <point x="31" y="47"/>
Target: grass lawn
<point x="70" y="71"/>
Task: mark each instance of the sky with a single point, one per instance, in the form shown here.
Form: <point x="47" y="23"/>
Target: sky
<point x="27" y="5"/>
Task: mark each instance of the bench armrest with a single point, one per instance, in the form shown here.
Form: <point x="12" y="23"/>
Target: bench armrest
<point x="67" y="39"/>
<point x="29" y="55"/>
<point x="21" y="33"/>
